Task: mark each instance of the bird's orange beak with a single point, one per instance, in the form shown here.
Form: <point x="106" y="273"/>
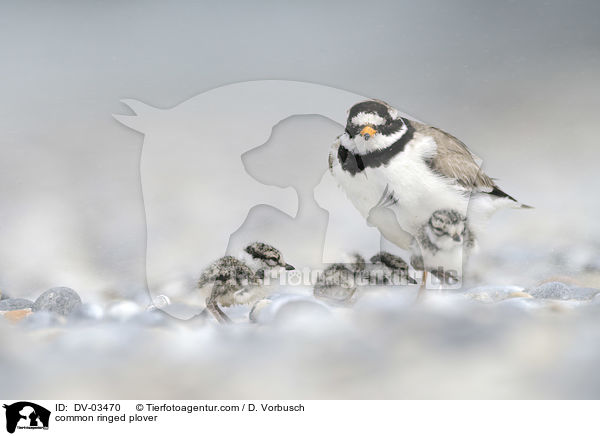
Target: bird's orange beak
<point x="368" y="131"/>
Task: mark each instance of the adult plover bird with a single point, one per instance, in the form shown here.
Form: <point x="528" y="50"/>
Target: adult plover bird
<point x="442" y="245"/>
<point x="398" y="172"/>
<point x="231" y="281"/>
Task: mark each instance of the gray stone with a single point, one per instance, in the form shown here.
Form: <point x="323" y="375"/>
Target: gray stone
<point x="42" y="320"/>
<point x="523" y="304"/>
<point x="299" y="311"/>
<point x="492" y="294"/>
<point x="561" y="291"/>
<point x="159" y="302"/>
<point x="549" y="290"/>
<point x="123" y="310"/>
<point x="88" y="312"/>
<point x="584" y="293"/>
<point x="182" y="311"/>
<point x="258" y="309"/>
<point x="58" y="300"/>
<point x="15" y="304"/>
<point x="151" y="318"/>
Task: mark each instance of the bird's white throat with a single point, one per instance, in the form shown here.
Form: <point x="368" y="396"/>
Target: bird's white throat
<point x="378" y="141"/>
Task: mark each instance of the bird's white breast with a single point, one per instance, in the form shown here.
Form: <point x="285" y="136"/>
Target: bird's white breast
<point x="419" y="191"/>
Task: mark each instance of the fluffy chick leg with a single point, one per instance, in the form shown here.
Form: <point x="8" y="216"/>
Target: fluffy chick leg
<point x="423" y="288"/>
<point x="215" y="310"/>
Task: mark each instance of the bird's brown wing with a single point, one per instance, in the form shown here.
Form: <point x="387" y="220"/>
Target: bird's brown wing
<point x="454" y="160"/>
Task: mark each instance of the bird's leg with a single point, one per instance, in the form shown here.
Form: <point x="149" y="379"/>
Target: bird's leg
<point x="215" y="310"/>
<point x="423" y="288"/>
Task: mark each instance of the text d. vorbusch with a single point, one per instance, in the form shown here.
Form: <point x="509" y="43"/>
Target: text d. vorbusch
<point x="276" y="407"/>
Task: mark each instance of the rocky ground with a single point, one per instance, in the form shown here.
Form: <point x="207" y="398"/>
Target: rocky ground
<point x="483" y="342"/>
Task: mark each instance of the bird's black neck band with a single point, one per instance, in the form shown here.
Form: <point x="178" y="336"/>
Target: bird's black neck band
<point x="354" y="163"/>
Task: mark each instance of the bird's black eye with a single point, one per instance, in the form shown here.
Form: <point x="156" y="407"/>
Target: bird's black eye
<point x="439" y="231"/>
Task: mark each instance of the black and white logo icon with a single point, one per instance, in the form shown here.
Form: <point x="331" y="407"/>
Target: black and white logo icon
<point x="26" y="415"/>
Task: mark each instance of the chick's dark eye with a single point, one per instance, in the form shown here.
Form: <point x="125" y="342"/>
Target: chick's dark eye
<point x="438" y="231"/>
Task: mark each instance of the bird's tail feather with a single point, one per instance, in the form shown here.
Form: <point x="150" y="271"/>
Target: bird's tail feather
<point x="501" y="194"/>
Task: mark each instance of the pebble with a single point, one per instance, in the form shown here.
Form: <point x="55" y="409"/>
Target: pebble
<point x="16" y="315"/>
<point x="159" y="302"/>
<point x="151" y="318"/>
<point x="561" y="291"/>
<point x="301" y="313"/>
<point x="88" y="312"/>
<point x="289" y="310"/>
<point x="582" y="293"/>
<point x="123" y="310"/>
<point x="42" y="320"/>
<point x="525" y="304"/>
<point x="15" y="304"/>
<point x="59" y="300"/>
<point x="493" y="294"/>
<point x="181" y="310"/>
<point x="256" y="315"/>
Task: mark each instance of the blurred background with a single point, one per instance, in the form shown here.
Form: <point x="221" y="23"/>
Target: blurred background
<point x="519" y="83"/>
